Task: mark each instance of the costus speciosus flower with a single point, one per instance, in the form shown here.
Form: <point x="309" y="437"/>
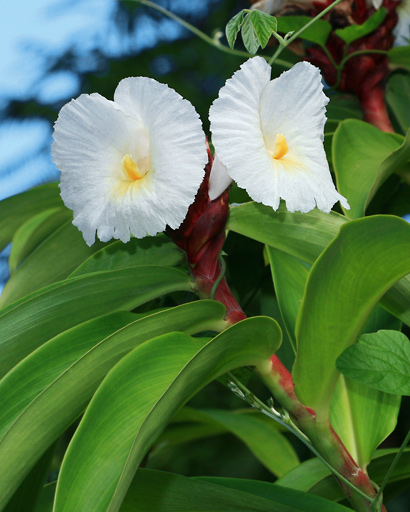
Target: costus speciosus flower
<point x="269" y="136"/>
<point x="130" y="166"/>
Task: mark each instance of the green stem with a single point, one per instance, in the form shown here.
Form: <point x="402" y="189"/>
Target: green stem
<point x="246" y="395"/>
<point x="300" y="31"/>
<point x="360" y="52"/>
<point x="209" y="40"/>
<point x="375" y="505"/>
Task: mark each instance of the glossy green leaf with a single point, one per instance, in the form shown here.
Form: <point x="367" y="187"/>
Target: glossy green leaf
<point x="400" y="57"/>
<point x="259" y="433"/>
<point x="233" y="27"/>
<point x="32" y="232"/>
<point x="358" y="154"/>
<point x="380" y="360"/>
<point x="353" y="32"/>
<point x="313" y="477"/>
<point x="158" y="491"/>
<point x="317" y="33"/>
<point x="289" y="277"/>
<point x="398" y="98"/>
<point x="48" y="390"/>
<point x="52" y="261"/>
<point x="15" y="210"/>
<point x="139" y="397"/>
<point x="362" y="417"/>
<point x="158" y="250"/>
<point x="368" y="256"/>
<point x="28" y="323"/>
<point x="303" y="235"/>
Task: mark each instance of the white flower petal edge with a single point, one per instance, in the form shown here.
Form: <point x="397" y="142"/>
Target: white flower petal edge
<point x="269" y="135"/>
<point x="129" y="166"/>
<point x="219" y="179"/>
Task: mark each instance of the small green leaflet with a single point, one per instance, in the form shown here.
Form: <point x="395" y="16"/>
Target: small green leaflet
<point x="353" y="32"/>
<point x="256" y="29"/>
<point x="380" y="360"/>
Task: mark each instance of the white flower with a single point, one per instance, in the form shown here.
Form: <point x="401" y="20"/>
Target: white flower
<point x="269" y="135"/>
<point x="402" y="29"/>
<point x="129" y="166"/>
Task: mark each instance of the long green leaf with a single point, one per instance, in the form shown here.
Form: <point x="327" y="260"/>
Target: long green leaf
<point x="353" y="32"/>
<point x="47" y="391"/>
<point x="157" y="491"/>
<point x="158" y="250"/>
<point x="52" y="261"/>
<point x="317" y="33"/>
<point x="139" y="397"/>
<point x="17" y="209"/>
<point x="357" y="268"/>
<point x="398" y="98"/>
<point x="32" y="232"/>
<point x="259" y="433"/>
<point x="28" y="323"/>
<point x="358" y="152"/>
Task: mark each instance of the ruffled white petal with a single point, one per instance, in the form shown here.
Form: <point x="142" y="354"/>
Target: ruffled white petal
<point x="219" y="179"/>
<point x="402" y="29"/>
<point x="249" y="115"/>
<point x="158" y="130"/>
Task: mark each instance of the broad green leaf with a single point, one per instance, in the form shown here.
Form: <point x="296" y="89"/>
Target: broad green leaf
<point x="367" y="257"/>
<point x="317" y="33"/>
<point x="52" y="261"/>
<point x="158" y="250"/>
<point x="17" y="209"/>
<point x="233" y="27"/>
<point x="380" y="360"/>
<point x="353" y="32"/>
<point x="158" y="491"/>
<point x="398" y="98"/>
<point x="249" y="37"/>
<point x="260" y="434"/>
<point x="264" y="26"/>
<point x="362" y="417"/>
<point x="32" y="232"/>
<point x="303" y="235"/>
<point x="400" y="57"/>
<point x="358" y="154"/>
<point x="313" y="477"/>
<point x="289" y="277"/>
<point x="139" y="397"/>
<point x="48" y="390"/>
<point x="31" y="321"/>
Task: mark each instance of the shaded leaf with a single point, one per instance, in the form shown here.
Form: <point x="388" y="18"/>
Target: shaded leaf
<point x="233" y="27"/>
<point x="317" y="33"/>
<point x="380" y="360"/>
<point x="398" y="98"/>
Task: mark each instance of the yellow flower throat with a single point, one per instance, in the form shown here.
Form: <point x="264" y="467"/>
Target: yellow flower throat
<point x="281" y="147"/>
<point x="131" y="168"/>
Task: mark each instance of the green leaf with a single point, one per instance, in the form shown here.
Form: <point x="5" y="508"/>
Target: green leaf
<point x="302" y="235"/>
<point x="233" y="27"/>
<point x="400" y="57"/>
<point x="380" y="360"/>
<point x="52" y="261"/>
<point x="158" y="491"/>
<point x="313" y="477"/>
<point x="398" y="98"/>
<point x="259" y="433"/>
<point x="362" y="417"/>
<point x="158" y="250"/>
<point x="139" y="397"/>
<point x="48" y="390"/>
<point x="358" y="153"/>
<point x="368" y="256"/>
<point x="264" y="26"/>
<point x="28" y="323"/>
<point x="289" y="277"/>
<point x="353" y="32"/>
<point x="249" y="37"/>
<point x="317" y="33"/>
<point x="17" y="209"/>
<point x="32" y="232"/>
